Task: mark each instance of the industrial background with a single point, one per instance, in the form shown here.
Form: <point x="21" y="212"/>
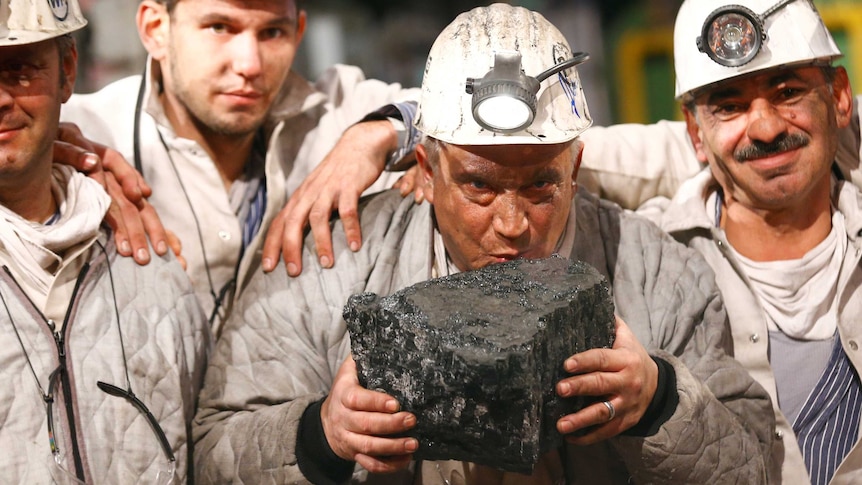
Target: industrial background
<point x="629" y="77"/>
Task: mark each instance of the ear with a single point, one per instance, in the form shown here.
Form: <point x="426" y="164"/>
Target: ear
<point x="843" y="94"/>
<point x="70" y="72"/>
<point x="578" y="149"/>
<point x="154" y="25"/>
<point x="694" y="134"/>
<point x="426" y="172"/>
<point x="300" y="26"/>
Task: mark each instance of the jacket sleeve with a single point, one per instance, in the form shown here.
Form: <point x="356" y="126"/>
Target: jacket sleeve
<point x="354" y="96"/>
<point x="722" y="428"/>
<point x="277" y="355"/>
<point x="632" y="163"/>
<point x="175" y="291"/>
<point x="283" y="345"/>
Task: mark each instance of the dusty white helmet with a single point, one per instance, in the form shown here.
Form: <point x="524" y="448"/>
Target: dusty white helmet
<point x="30" y="21"/>
<point x="714" y="41"/>
<point x="488" y="65"/>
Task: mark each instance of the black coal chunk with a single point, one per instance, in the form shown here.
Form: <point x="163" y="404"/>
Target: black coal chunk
<point x="476" y="355"/>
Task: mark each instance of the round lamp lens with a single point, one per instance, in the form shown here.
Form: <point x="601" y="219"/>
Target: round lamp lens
<point x="733" y="39"/>
<point x="504" y="113"/>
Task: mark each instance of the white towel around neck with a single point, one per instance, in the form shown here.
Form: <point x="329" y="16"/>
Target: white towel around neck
<point x="37" y="249"/>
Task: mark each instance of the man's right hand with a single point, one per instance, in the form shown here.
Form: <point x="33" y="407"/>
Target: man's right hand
<point x="336" y="184"/>
<point x="356" y="422"/>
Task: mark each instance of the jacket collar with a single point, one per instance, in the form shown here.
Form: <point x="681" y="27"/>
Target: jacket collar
<point x="688" y="209"/>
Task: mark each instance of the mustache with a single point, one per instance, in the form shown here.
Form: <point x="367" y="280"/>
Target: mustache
<point x="781" y="144"/>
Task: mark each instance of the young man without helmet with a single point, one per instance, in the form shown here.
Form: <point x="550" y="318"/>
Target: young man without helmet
<point x="224" y="131"/>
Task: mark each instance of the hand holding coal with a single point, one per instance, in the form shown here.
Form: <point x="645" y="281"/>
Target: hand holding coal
<point x="476" y="355"/>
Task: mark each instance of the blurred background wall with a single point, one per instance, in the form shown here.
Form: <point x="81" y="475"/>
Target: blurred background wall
<point x="629" y="77"/>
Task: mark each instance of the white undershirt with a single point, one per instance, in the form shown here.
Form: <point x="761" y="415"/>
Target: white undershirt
<point x="799" y="295"/>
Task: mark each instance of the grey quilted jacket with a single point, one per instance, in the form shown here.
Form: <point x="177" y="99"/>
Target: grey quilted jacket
<point x="166" y="341"/>
<point x="281" y="350"/>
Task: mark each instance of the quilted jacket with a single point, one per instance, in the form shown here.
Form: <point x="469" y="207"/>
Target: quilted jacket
<point x="688" y="220"/>
<point x="281" y="350"/>
<point x="635" y="163"/>
<point x="165" y="341"/>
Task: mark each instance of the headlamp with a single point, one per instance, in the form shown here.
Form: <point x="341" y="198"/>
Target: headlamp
<point x="504" y="100"/>
<point x="732" y="35"/>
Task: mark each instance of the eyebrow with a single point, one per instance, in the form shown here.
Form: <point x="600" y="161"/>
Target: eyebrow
<point x="772" y="82"/>
<point x="472" y="171"/>
<point x="216" y="17"/>
<point x="485" y="173"/>
<point x="549" y="173"/>
<point x="717" y="96"/>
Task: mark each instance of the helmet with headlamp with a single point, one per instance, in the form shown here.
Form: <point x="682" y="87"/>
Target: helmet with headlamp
<point x="714" y="42"/>
<point x="31" y="21"/>
<point x="502" y="75"/>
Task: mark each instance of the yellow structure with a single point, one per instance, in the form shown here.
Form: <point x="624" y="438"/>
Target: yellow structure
<point x="640" y="53"/>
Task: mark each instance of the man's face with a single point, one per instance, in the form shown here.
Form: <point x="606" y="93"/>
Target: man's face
<point x="501" y="202"/>
<point x="771" y="138"/>
<point x="225" y="61"/>
<point x="32" y="88"/>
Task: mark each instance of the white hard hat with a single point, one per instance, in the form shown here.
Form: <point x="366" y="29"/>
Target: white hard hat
<point x="714" y="41"/>
<point x="490" y="62"/>
<point x="31" y="21"/>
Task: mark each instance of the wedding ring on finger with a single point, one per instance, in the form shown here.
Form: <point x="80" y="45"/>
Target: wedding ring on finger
<point x="611" y="411"/>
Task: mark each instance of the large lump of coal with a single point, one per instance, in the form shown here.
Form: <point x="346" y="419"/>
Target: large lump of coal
<point x="476" y="355"/>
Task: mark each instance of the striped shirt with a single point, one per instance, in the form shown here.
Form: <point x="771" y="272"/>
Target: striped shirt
<point x="828" y="424"/>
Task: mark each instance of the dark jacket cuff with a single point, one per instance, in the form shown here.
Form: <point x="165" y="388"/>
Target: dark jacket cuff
<point x="315" y="458"/>
<point x="663" y="403"/>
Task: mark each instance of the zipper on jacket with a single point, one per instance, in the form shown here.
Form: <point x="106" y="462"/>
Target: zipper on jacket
<point x="60" y="339"/>
<point x="60" y="342"/>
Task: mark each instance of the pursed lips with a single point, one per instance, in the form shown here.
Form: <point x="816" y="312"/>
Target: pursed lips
<point x="507" y="256"/>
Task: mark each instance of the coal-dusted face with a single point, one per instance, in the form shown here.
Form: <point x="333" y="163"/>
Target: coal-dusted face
<point x="771" y="138"/>
<point x="500" y="202"/>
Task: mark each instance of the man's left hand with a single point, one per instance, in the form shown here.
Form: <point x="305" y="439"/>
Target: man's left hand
<point x="625" y="376"/>
<point x="353" y="164"/>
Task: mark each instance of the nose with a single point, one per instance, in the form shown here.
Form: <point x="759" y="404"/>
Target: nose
<point x="766" y="121"/>
<point x="510" y="218"/>
<point x="6" y="97"/>
<point x="246" y="56"/>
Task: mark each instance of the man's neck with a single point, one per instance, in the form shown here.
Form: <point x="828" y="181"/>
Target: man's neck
<point x="229" y="153"/>
<point x="32" y="199"/>
<point x="777" y="235"/>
